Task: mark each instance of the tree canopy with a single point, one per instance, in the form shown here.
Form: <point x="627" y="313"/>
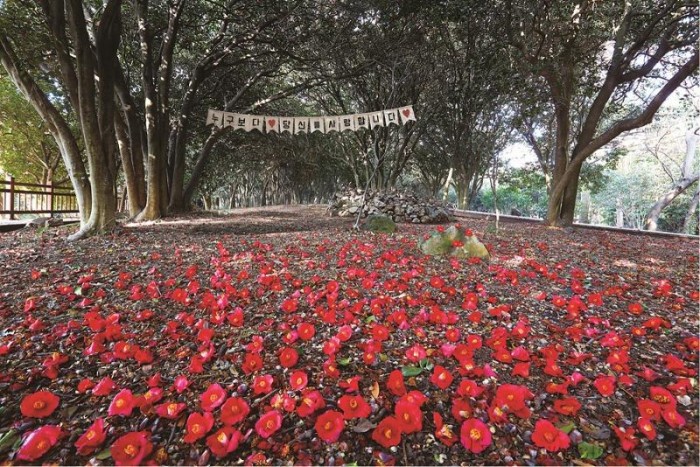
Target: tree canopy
<point x="120" y="88"/>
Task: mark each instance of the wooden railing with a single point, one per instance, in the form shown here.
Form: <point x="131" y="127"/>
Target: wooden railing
<point x="33" y="198"/>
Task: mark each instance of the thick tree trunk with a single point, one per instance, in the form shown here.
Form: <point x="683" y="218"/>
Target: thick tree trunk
<point x="96" y="109"/>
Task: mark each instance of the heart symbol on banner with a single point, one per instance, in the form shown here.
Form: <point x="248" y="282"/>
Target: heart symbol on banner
<point x="406" y="112"/>
<point x="271" y="123"/>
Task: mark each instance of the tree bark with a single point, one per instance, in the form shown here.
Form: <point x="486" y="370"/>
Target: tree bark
<point x="96" y="108"/>
<point x="692" y="209"/>
<point x="652" y="219"/>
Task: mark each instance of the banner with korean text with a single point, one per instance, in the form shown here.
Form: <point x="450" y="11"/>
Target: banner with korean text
<point x="299" y="125"/>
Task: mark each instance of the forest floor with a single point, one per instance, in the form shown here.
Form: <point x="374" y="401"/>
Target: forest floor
<point x="280" y="336"/>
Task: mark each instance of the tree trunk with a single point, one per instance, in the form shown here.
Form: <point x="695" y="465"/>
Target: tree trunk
<point x="96" y="110"/>
<point x="57" y="126"/>
<point x="125" y="147"/>
<point x="652" y="219"/>
<point x="619" y="214"/>
<point x="692" y="209"/>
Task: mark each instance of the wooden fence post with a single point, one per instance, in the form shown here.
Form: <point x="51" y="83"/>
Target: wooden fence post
<point x="51" y="200"/>
<point x="12" y="198"/>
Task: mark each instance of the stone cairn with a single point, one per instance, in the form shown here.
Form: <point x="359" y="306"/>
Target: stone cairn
<point x="399" y="206"/>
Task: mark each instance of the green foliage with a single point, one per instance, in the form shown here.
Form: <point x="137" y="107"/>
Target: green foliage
<point x="27" y="152"/>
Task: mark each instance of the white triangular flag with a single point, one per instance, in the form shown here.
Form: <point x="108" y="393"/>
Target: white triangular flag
<point x="240" y="121"/>
<point x="376" y="119"/>
<point x="332" y="124"/>
<point x="215" y="117"/>
<point x="347" y="122"/>
<point x="391" y="116"/>
<point x="272" y="124"/>
<point x="229" y="118"/>
<point x="361" y="121"/>
<point x="406" y="114"/>
<point x="301" y="125"/>
<point x="287" y="124"/>
<point x="254" y="122"/>
<point x="316" y="124"/>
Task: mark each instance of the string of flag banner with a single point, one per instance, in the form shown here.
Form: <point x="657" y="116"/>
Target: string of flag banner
<point x="299" y="125"/>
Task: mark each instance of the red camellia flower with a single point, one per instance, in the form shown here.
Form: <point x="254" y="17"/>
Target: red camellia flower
<point x="311" y="401"/>
<point x="567" y="406"/>
<point x="213" y="397"/>
<point x="234" y="410"/>
<point x="469" y="388"/>
<point x="298" y="380"/>
<point x="288" y="357"/>
<point x="38" y="442"/>
<point x="443" y="432"/>
<point x="409" y="416"/>
<point x="672" y="417"/>
<point x="104" y="387"/>
<point x="354" y="407"/>
<point x="395" y="383"/>
<point x="475" y="435"/>
<point x="461" y="409"/>
<point x="39" y="404"/>
<point x="306" y="331"/>
<point x="605" y="385"/>
<point x="329" y="425"/>
<point x="262" y="384"/>
<point x="122" y="404"/>
<point x="626" y="436"/>
<point x="635" y="308"/>
<point x="224" y="441"/>
<point x="441" y="377"/>
<point x="170" y="410"/>
<point x="662" y="396"/>
<point x="388" y="432"/>
<point x="268" y="424"/>
<point x="647" y="428"/>
<point x="512" y="397"/>
<point x="649" y="409"/>
<point x="93" y="438"/>
<point x="414" y="397"/>
<point x="547" y="436"/>
<point x="252" y="362"/>
<point x="416" y="353"/>
<point x="131" y="448"/>
<point x="198" y="425"/>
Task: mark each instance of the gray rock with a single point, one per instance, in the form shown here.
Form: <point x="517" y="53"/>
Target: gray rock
<point x="380" y="224"/>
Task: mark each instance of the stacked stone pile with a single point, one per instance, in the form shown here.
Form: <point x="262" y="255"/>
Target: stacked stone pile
<point x="399" y="206"/>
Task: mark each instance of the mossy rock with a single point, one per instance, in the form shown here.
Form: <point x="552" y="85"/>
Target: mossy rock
<point x="442" y="244"/>
<point x="379" y="224"/>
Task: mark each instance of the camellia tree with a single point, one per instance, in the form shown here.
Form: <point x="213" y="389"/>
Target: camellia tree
<point x="599" y="55"/>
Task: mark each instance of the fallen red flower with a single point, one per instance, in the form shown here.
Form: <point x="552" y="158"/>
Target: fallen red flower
<point x="549" y="437"/>
<point x="475" y="435"/>
<point x="388" y="432"/>
<point x="39" y="404"/>
<point x="122" y="404"/>
<point x="224" y="441"/>
<point x="329" y="425"/>
<point x="38" y="442"/>
<point x="268" y="424"/>
<point x="212" y="397"/>
<point x="198" y="425"/>
<point x="131" y="448"/>
<point x="234" y="410"/>
<point x="354" y="407"/>
<point x="93" y="438"/>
